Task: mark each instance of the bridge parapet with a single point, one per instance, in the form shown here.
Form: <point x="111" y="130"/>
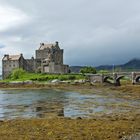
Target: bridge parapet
<point x="95" y="78"/>
<point x="116" y="77"/>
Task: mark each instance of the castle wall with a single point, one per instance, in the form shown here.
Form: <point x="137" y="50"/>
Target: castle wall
<point x="42" y="54"/>
<point x="54" y="55"/>
<point x="58" y="57"/>
<point x="37" y="65"/>
<point x="8" y="66"/>
<point x="30" y="65"/>
<point x="52" y="68"/>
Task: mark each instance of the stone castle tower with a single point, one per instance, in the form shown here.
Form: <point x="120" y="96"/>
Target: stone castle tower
<point x="50" y="56"/>
<point x="48" y="59"/>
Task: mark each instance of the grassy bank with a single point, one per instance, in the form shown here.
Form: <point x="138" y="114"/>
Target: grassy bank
<point x="43" y="77"/>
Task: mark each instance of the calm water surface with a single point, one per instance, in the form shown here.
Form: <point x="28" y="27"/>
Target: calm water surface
<point x="46" y="103"/>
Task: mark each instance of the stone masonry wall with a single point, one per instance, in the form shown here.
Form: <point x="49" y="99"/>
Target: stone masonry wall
<point x="8" y="66"/>
<point x="52" y="68"/>
<point x="29" y="65"/>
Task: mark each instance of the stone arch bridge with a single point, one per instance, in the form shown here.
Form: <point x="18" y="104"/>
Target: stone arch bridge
<point x="116" y="77"/>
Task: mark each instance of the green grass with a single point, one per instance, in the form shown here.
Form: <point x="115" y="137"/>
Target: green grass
<point x="44" y="77"/>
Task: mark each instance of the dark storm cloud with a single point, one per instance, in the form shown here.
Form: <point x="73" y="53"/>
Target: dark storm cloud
<point x="92" y="32"/>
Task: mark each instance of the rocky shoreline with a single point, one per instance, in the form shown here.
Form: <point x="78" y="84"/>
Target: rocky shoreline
<point x="105" y="128"/>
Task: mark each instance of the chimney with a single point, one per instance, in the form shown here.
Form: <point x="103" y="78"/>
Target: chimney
<point x="7" y="56"/>
<point x="32" y="58"/>
<point x="57" y="43"/>
<point x="21" y="55"/>
<point x="41" y="44"/>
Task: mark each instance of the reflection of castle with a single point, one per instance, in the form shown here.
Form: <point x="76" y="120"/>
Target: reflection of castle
<point x="49" y="59"/>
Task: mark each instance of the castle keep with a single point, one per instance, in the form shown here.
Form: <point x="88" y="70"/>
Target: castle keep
<point x="48" y="59"/>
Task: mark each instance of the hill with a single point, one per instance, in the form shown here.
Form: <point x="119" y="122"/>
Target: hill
<point x="76" y="69"/>
<point x="132" y="65"/>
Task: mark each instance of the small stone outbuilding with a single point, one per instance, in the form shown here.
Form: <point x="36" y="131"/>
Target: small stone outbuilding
<point x="10" y="62"/>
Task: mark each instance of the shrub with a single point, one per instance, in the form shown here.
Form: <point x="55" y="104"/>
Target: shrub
<point x="42" y="78"/>
<point x="71" y="77"/>
<point x="33" y="79"/>
<point x="63" y="77"/>
<point x="17" y="74"/>
<point x="88" y="70"/>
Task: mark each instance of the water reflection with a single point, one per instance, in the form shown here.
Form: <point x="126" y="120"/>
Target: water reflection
<point x="44" y="109"/>
<point x="31" y="103"/>
<point x="52" y="103"/>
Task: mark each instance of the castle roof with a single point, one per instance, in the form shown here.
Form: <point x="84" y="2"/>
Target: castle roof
<point x="12" y="57"/>
<point x="49" y="46"/>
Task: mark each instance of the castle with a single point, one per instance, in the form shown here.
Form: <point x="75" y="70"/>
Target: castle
<point x="48" y="59"/>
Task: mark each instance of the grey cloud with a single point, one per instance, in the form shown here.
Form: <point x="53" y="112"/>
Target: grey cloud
<point x="91" y="32"/>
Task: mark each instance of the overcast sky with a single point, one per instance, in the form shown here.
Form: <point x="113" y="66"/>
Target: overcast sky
<point x="91" y="32"/>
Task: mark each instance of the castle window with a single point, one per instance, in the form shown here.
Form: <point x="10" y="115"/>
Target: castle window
<point x="14" y="65"/>
<point x="53" y="51"/>
<point x="9" y="65"/>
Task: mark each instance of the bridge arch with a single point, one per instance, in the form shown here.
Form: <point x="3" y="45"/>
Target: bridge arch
<point x="105" y="79"/>
<point x="120" y="77"/>
<point x="137" y="79"/>
<point x="117" y="82"/>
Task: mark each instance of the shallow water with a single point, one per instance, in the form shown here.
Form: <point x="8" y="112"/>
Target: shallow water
<point x="50" y="103"/>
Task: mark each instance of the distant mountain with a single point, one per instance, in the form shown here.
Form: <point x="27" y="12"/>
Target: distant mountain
<point x="105" y="67"/>
<point x="76" y="69"/>
<point x="133" y="64"/>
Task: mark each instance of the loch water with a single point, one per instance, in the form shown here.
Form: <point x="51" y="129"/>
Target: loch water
<point x="43" y="103"/>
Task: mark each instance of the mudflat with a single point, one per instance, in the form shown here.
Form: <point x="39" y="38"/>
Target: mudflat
<point x="105" y="128"/>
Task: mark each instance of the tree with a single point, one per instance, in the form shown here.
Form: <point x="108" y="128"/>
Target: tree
<point x="88" y="70"/>
<point x="17" y="73"/>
